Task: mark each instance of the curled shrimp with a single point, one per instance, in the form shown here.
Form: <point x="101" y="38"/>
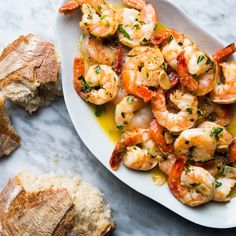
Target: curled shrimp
<point x="224" y="53"/>
<point x="94" y="49"/>
<point x="225" y="92"/>
<point x="221" y="136"/>
<point x="99" y="20"/>
<point x="98" y="86"/>
<point x="191" y="185"/>
<point x="196" y="144"/>
<point x="141" y="70"/>
<point x="137" y="25"/>
<point x="124" y="112"/>
<point x="198" y="73"/>
<point x="223" y="189"/>
<point x="175" y="122"/>
<point x="137" y="150"/>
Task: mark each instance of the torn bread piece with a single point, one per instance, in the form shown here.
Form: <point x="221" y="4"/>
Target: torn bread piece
<point x="9" y="139"/>
<point x="29" y="72"/>
<point x="53" y="205"/>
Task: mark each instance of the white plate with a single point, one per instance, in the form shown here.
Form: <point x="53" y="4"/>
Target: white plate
<point x="212" y="214"/>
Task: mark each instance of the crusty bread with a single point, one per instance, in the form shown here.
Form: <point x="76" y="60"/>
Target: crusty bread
<point x="29" y="69"/>
<point x="81" y="210"/>
<point x="9" y="139"/>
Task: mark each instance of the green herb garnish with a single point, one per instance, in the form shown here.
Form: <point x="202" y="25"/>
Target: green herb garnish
<point x="99" y="110"/>
<point x="180" y="43"/>
<point x="189" y="110"/>
<point x="171" y="38"/>
<point x="130" y="99"/>
<point x="120" y="127"/>
<point x="104" y="16"/>
<point x="131" y="55"/>
<point x="187" y="169"/>
<point x="218" y="184"/>
<point x="124" y="32"/>
<point x="85" y="88"/>
<point x="216" y="132"/>
<point x="200" y="58"/>
<point x="98" y="69"/>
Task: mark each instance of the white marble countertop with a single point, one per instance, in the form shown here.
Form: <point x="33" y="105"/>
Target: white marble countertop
<point x="49" y="140"/>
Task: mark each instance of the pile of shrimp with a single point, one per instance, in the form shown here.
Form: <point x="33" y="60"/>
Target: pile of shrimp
<point x="173" y="101"/>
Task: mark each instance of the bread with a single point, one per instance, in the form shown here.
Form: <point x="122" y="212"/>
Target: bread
<point x="29" y="71"/>
<point x="52" y="205"/>
<point x="9" y="139"/>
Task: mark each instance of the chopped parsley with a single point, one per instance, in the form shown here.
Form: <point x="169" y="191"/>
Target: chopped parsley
<point x="200" y="58"/>
<point x="98" y="69"/>
<point x="218" y="184"/>
<point x="187" y="169"/>
<point x="120" y="127"/>
<point x="85" y="88"/>
<point x="130" y="99"/>
<point x="216" y="132"/>
<point x="180" y="43"/>
<point x="145" y="40"/>
<point x="208" y="61"/>
<point x="195" y="184"/>
<point x="191" y="161"/>
<point x="165" y="156"/>
<point x="189" y="110"/>
<point x="131" y="55"/>
<point x="99" y="110"/>
<point x="171" y="38"/>
<point x="199" y="112"/>
<point x="103" y="17"/>
<point x="124" y="32"/>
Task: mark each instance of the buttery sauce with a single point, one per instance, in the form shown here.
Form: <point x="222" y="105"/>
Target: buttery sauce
<point x="158" y="176"/>
<point x="232" y="126"/>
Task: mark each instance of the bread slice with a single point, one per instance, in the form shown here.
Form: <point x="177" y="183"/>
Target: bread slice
<point x="29" y="72"/>
<point x="9" y="139"/>
<point x="33" y="197"/>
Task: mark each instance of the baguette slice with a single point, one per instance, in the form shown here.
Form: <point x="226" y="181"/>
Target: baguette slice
<point x="29" y="72"/>
<point x="33" y="197"/>
<point x="9" y="139"/>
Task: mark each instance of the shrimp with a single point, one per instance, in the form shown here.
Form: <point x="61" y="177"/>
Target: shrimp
<point x="232" y="151"/>
<point x="94" y="48"/>
<point x="137" y="25"/>
<point x="196" y="144"/>
<point x="141" y="70"/>
<point x="166" y="165"/>
<point x="223" y="189"/>
<point x="137" y="150"/>
<point x="198" y="72"/>
<point x="224" y="53"/>
<point x="184" y="119"/>
<point x="173" y="43"/>
<point x="191" y="185"/>
<point x="225" y="92"/>
<point x="124" y="112"/>
<point x="98" y="86"/>
<point x="100" y="20"/>
<point x="222" y="137"/>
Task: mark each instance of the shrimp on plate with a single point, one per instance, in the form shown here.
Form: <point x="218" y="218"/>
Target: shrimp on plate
<point x="137" y="150"/>
<point x="175" y="122"/>
<point x="99" y="18"/>
<point x="232" y="151"/>
<point x="196" y="144"/>
<point x="137" y="23"/>
<point x="191" y="185"/>
<point x="223" y="187"/>
<point x="98" y="85"/>
<point x="142" y="71"/>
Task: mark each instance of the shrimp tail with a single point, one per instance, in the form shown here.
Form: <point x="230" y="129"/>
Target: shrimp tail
<point x="159" y="38"/>
<point x="158" y="137"/>
<point x="79" y="70"/>
<point x="70" y="7"/>
<point x="119" y="59"/>
<point x="224" y="53"/>
<point x="174" y="177"/>
<point x="232" y="152"/>
<point x="185" y="78"/>
<point x="126" y="140"/>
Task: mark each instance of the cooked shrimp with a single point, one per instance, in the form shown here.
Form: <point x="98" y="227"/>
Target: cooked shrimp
<point x="98" y="86"/>
<point x="70" y="7"/>
<point x="173" y="43"/>
<point x="141" y="70"/>
<point x="225" y="92"/>
<point x="191" y="185"/>
<point x="184" y="119"/>
<point x="137" y="149"/>
<point x="224" y="53"/>
<point x="232" y="151"/>
<point x="137" y="25"/>
<point x="196" y="144"/>
<point x="223" y="189"/>
<point x="222" y="137"/>
<point x="197" y="72"/>
<point x="166" y="165"/>
<point x="94" y="49"/>
<point x="121" y="93"/>
<point x="124" y="112"/>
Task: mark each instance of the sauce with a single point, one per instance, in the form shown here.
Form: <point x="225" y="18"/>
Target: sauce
<point x="232" y="126"/>
<point x="158" y="176"/>
<point x="105" y="116"/>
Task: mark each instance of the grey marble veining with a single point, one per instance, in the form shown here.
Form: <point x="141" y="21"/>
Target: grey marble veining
<point x="50" y="143"/>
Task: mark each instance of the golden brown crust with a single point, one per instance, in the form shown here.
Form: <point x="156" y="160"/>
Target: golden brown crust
<point x="9" y="139"/>
<point x="29" y="58"/>
<point x="42" y="213"/>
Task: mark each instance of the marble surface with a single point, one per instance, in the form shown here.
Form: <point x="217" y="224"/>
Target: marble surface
<point x="50" y="143"/>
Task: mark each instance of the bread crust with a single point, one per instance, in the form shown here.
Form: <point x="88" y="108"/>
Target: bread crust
<point x="9" y="139"/>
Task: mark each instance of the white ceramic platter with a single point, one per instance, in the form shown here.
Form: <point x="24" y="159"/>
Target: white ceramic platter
<point x="212" y="214"/>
